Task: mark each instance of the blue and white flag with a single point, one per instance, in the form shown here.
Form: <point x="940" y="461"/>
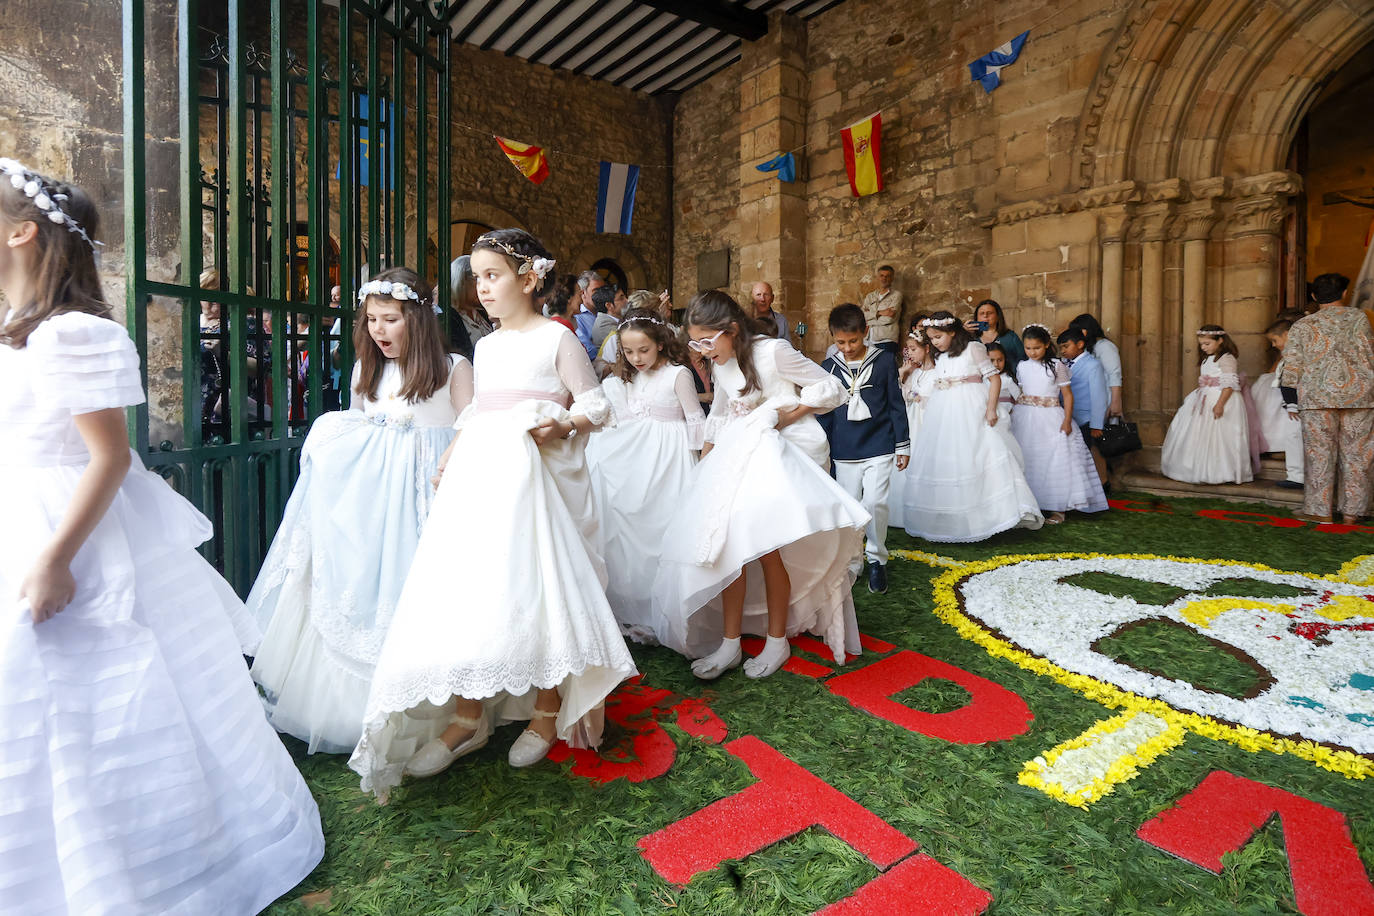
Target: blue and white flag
<point x="785" y="165"/>
<point x="615" y="197"/>
<point x="988" y="68"/>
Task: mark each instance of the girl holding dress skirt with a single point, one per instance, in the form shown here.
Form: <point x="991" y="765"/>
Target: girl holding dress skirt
<point x="1209" y="438"/>
<point x="136" y="770"/>
<point x="1059" y="468"/>
<point x="918" y="381"/>
<point x="329" y="585"/>
<point x="761" y="540"/>
<point x="964" y="483"/>
<point x="644" y="462"/>
<point x="503" y="617"/>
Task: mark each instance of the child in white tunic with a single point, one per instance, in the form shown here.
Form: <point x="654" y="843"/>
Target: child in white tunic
<point x="329" y="585"/>
<point x="762" y="540"/>
<point x="1059" y="468"/>
<point x="917" y="374"/>
<point x="137" y="774"/>
<point x="503" y="617"/>
<point x="1209" y="438"/>
<point x="964" y="483"/>
<point x="641" y="466"/>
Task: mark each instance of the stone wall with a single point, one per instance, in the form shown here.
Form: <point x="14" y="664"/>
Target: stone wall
<point x="1133" y="164"/>
<point x="706" y="181"/>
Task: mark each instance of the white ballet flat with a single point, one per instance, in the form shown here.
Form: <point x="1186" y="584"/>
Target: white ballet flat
<point x="531" y="747"/>
<point x="718" y="662"/>
<point x="435" y="756"/>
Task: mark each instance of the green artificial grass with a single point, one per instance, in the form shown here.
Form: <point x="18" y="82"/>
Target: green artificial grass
<point x="484" y="838"/>
<point x="1169" y="649"/>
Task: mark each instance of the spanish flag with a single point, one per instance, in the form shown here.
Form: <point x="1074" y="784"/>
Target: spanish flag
<point x="862" y="144"/>
<point x="530" y="160"/>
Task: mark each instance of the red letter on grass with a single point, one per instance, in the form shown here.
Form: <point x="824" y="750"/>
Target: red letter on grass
<point x="786" y="800"/>
<point x="918" y="885"/>
<point x="1224" y="811"/>
<point x="994" y="713"/>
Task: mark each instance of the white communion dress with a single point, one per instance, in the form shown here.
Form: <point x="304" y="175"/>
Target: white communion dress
<point x="329" y="585"/>
<point x="137" y="773"/>
<point x="640" y="471"/>
<point x="1059" y="468"/>
<point x="759" y="490"/>
<point x="916" y="392"/>
<point x="1006" y="404"/>
<point x="964" y="483"/>
<point x="1200" y="448"/>
<point x="506" y="594"/>
<point x="1281" y="432"/>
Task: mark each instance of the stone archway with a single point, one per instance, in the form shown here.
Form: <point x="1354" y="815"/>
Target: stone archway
<point x="623" y="254"/>
<point x="1180" y="190"/>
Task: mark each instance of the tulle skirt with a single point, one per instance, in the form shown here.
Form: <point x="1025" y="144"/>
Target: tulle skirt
<point x="505" y="596"/>
<point x="137" y="771"/>
<point x="964" y="483"/>
<point x="1199" y="448"/>
<point x="640" y="471"/>
<point x="1059" y="468"/>
<point x="1280" y="431"/>
<point x="754" y="493"/>
<point x="329" y="584"/>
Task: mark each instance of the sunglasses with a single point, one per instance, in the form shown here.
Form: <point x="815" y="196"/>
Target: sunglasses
<point x="707" y="345"/>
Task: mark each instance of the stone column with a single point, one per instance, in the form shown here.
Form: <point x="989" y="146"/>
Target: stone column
<point x="1153" y="225"/>
<point x="1112" y="225"/>
<point x="1253" y="261"/>
<point x="1197" y="220"/>
<point x="772" y="213"/>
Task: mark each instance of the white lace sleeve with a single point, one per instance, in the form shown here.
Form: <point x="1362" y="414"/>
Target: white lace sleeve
<point x="356" y="401"/>
<point x="1230" y="372"/>
<point x="979" y="355"/>
<point x="576" y="373"/>
<point x="460" y="383"/>
<point x="820" y="390"/>
<point x="1061" y="374"/>
<point x="686" y="393"/>
<point x="720" y="411"/>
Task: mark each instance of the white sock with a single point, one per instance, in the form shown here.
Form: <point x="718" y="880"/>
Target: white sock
<point x="725" y="657"/>
<point x="776" y="652"/>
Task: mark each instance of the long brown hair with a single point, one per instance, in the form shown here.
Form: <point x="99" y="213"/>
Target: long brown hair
<point x="1217" y="332"/>
<point x="718" y="311"/>
<point x="423" y="359"/>
<point x="952" y="326"/>
<point x="65" y="277"/>
<point x="647" y="322"/>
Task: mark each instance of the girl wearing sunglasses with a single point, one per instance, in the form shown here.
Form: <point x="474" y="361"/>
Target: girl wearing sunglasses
<point x="762" y="540"/>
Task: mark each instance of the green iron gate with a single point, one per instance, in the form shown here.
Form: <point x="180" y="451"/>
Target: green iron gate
<point x="311" y="147"/>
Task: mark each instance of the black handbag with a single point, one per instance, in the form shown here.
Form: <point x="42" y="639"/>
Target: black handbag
<point x="1118" y="438"/>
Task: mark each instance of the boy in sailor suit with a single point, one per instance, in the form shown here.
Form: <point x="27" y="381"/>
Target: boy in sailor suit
<point x="868" y="435"/>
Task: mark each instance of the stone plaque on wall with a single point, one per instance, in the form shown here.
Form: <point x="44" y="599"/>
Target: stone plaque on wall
<point x="713" y="269"/>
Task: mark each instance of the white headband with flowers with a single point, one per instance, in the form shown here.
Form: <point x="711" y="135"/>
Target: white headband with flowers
<point x="393" y="288"/>
<point x="642" y="319"/>
<point x="1035" y="324"/>
<point x="1217" y="334"/>
<point x="31" y="184"/>
<point x="540" y="266"/>
<point x="938" y="322"/>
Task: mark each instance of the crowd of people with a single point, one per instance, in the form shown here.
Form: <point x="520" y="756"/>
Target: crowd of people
<point x="628" y="471"/>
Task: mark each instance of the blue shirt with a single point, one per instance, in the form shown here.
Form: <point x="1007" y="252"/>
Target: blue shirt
<point x="584" y="321"/>
<point x="1088" y="381"/>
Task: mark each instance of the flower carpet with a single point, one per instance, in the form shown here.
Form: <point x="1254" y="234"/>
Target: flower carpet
<point x="1168" y="708"/>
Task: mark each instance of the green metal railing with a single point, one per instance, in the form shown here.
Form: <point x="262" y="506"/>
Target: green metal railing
<point x="270" y="143"/>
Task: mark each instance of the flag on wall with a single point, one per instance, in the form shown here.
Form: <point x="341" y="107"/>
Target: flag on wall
<point x="369" y="153"/>
<point x="988" y="68"/>
<point x="785" y="165"/>
<point x="529" y="159"/>
<point x="862" y="146"/>
<point x="615" y="197"/>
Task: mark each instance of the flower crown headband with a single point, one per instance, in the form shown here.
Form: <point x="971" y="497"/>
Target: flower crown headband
<point x="393" y="288"/>
<point x="646" y="319"/>
<point x="1036" y="324"/>
<point x="528" y="262"/>
<point x="938" y="322"/>
<point x="1217" y="334"/>
<point x="32" y="185"/>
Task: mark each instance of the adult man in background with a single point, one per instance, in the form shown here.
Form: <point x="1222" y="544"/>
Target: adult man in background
<point x="588" y="283"/>
<point x="775" y="322"/>
<point x="1329" y="360"/>
<point x="882" y="310"/>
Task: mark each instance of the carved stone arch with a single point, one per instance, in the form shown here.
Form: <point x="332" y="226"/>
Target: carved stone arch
<point x="622" y="252"/>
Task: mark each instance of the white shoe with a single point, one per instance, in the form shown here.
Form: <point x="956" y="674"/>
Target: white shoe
<point x="531" y="747"/>
<point x="436" y="756"/>
<point x="776" y="652"/>
<point x="727" y="656"/>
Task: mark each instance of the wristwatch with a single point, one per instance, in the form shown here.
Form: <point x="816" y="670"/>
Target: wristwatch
<point x="572" y="433"/>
